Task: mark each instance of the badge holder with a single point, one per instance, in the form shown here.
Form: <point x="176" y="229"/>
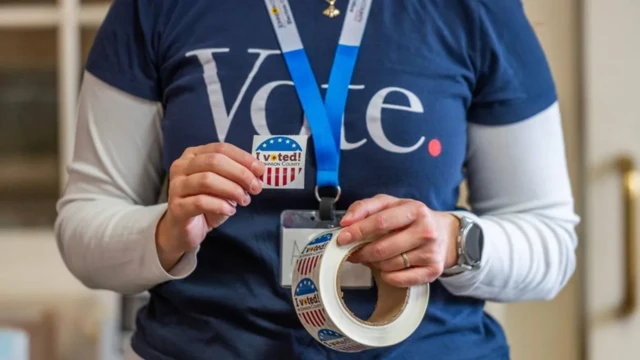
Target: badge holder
<point x="298" y="227"/>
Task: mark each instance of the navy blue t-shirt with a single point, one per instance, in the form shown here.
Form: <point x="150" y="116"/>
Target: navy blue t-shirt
<point x="426" y="68"/>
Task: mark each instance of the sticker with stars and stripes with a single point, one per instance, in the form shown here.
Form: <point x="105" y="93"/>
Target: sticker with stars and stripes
<point x="308" y="304"/>
<point x="312" y="253"/>
<point x="284" y="159"/>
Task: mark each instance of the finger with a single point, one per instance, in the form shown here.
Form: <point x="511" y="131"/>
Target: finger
<point x="224" y="166"/>
<point x="208" y="183"/>
<point x="243" y="158"/>
<point x="214" y="221"/>
<point x="234" y="153"/>
<point x="379" y="223"/>
<point x="177" y="168"/>
<point x="186" y="208"/>
<point x="413" y="276"/>
<point x="388" y="247"/>
<point x="361" y="209"/>
<point x="418" y="257"/>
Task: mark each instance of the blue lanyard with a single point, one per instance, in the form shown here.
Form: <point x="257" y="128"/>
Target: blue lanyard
<point x="325" y="118"/>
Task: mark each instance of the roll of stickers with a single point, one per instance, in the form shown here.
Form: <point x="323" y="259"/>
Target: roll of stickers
<point x="317" y="298"/>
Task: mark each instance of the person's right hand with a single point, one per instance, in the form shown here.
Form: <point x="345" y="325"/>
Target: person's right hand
<point x="205" y="185"/>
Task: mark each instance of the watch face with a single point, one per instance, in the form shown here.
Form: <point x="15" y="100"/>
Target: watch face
<point x="474" y="242"/>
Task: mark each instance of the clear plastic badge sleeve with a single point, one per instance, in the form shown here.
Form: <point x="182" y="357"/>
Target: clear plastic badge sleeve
<point x="317" y="298"/>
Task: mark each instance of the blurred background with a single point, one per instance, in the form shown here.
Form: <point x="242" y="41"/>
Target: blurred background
<point x="594" y="55"/>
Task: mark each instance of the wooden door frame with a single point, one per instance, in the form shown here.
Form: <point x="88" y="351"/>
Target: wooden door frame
<point x="581" y="190"/>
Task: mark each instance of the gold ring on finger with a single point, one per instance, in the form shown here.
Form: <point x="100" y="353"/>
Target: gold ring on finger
<point x="405" y="259"/>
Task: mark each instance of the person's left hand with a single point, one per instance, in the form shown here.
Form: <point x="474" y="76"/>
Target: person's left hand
<point x="406" y="226"/>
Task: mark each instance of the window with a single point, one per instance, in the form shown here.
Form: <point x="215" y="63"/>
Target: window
<point x="28" y="128"/>
<point x="38" y="90"/>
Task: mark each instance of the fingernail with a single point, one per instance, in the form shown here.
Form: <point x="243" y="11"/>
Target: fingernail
<point x="347" y="216"/>
<point x="246" y="201"/>
<point x="344" y="238"/>
<point x="231" y="211"/>
<point x="255" y="186"/>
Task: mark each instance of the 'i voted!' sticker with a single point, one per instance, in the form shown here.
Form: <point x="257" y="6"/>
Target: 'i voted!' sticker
<point x="307" y="302"/>
<point x="284" y="160"/>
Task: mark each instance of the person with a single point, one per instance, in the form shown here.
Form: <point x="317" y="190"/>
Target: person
<point x="167" y="192"/>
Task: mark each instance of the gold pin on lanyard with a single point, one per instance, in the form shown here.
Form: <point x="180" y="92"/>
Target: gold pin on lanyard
<point x="331" y="11"/>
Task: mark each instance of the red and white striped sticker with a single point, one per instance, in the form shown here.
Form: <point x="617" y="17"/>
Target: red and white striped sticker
<point x="284" y="158"/>
<point x="308" y="302"/>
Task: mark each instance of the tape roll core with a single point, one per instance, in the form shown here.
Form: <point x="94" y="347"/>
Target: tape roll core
<point x="391" y="300"/>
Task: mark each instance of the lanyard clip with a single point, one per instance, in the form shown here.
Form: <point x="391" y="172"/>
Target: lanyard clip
<point x="328" y="199"/>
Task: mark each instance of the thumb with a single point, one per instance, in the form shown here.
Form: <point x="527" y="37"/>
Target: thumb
<point x="215" y="220"/>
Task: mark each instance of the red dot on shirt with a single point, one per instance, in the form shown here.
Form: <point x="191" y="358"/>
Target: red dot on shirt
<point x="435" y="147"/>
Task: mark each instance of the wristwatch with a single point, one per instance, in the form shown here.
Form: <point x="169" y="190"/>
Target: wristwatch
<point x="470" y="244"/>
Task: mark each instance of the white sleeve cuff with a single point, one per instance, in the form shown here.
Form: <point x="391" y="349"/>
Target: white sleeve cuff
<point x="155" y="273"/>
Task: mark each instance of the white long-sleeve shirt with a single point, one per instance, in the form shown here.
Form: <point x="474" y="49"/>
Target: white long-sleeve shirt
<point x="109" y="212"/>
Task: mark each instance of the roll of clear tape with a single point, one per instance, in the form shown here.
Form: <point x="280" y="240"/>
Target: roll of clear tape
<point x="317" y="298"/>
